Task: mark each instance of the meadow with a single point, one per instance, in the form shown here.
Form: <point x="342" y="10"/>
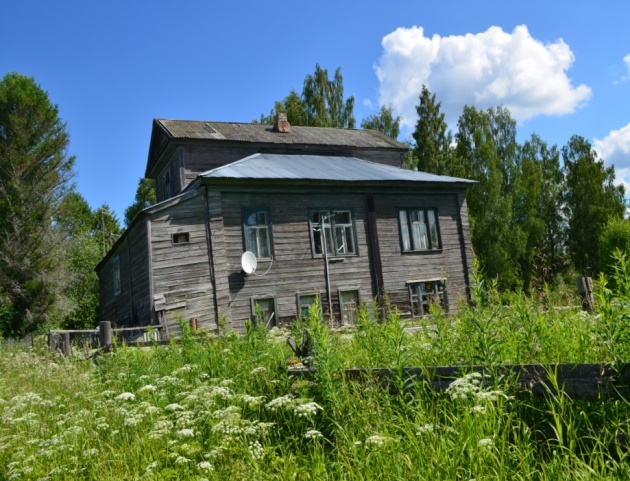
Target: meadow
<point x="224" y="406"/>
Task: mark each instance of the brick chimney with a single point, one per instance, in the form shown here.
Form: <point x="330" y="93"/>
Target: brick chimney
<point x="281" y="124"/>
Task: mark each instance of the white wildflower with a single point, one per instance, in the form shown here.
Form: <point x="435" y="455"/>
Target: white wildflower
<point x="427" y="428"/>
<point x="478" y="409"/>
<point x="147" y="388"/>
<point x="485" y="443"/>
<point x="307" y="409"/>
<point x="205" y="466"/>
<point x="126" y="396"/>
<point x="185" y="433"/>
<point x="256" y="450"/>
<point x="182" y="460"/>
<point x="151" y="467"/>
<point x="313" y="434"/>
<point x="378" y="440"/>
<point x="279" y="402"/>
<point x="258" y="370"/>
<point x="174" y="407"/>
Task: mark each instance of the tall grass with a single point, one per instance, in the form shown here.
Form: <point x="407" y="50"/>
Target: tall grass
<point x="226" y="407"/>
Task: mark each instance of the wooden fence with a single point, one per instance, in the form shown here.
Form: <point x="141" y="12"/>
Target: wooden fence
<point x="102" y="338"/>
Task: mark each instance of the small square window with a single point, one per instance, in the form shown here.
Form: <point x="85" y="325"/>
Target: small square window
<point x="181" y="238"/>
<point x="419" y="229"/>
<point x="423" y="294"/>
<point x="264" y="311"/>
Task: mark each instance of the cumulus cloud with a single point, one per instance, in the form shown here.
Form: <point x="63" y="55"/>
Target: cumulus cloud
<point x="615" y="149"/>
<point x="486" y="69"/>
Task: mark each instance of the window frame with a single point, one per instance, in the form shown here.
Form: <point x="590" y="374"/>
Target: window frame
<point x="439" y="291"/>
<point x="406" y="231"/>
<point x="340" y="293"/>
<point x="246" y="212"/>
<point x="301" y="305"/>
<point x="117" y="279"/>
<point x="333" y="232"/>
<point x="273" y="321"/>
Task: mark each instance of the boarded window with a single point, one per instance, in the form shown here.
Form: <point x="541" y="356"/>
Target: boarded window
<point x="423" y="294"/>
<point x="338" y="230"/>
<point x="419" y="229"/>
<point x="257" y="232"/>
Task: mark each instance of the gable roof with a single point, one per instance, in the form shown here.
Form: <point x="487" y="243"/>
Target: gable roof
<point x="166" y="131"/>
<point x="321" y="167"/>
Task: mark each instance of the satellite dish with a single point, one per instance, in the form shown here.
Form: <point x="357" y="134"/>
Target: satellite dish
<point x="248" y="262"/>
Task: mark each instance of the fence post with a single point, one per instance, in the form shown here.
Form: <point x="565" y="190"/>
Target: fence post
<point x="585" y="288"/>
<point x="67" y="350"/>
<point x="105" y="333"/>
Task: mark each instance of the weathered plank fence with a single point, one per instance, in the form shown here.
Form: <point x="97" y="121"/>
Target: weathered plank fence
<point x="591" y="382"/>
<point x="102" y="338"/>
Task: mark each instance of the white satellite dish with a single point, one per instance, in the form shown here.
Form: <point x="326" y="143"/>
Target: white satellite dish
<point x="248" y="262"/>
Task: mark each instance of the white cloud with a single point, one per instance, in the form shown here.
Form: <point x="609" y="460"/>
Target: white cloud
<point x="615" y="149"/>
<point x="368" y="103"/>
<point x="486" y="69"/>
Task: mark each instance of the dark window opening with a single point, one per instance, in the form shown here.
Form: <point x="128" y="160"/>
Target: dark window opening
<point x="264" y="312"/>
<point x="181" y="238"/>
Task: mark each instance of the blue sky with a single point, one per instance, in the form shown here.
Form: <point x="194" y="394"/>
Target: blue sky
<point x="563" y="68"/>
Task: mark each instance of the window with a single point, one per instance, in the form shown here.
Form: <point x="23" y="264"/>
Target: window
<point x="257" y="232"/>
<point x="116" y="271"/>
<point x="305" y="301"/>
<point x="264" y="311"/>
<point x="339" y="234"/>
<point x="419" y="229"/>
<point x="348" y="305"/>
<point x="423" y="294"/>
<point x="181" y="238"/>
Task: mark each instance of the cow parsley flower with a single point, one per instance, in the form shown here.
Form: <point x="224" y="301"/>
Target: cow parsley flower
<point x="126" y="396"/>
<point x="313" y="434"/>
<point x="307" y="409"/>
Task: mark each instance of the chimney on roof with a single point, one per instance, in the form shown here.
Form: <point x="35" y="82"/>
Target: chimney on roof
<point x="281" y="124"/>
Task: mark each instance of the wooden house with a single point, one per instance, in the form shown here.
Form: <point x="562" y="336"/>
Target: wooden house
<point x="328" y="213"/>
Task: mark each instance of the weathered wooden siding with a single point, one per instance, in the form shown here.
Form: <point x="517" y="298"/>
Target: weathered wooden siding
<point x="294" y="269"/>
<point x="192" y="160"/>
<point x="181" y="272"/>
<point x="132" y="306"/>
<point x="451" y="262"/>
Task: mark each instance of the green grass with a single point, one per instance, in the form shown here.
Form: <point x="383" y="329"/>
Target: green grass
<point x="225" y="407"/>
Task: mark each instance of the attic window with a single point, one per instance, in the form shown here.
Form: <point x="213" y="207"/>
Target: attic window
<point x="181" y="238"/>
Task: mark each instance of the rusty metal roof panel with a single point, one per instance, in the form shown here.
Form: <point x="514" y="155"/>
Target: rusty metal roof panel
<point x="320" y="167"/>
<point x="258" y="133"/>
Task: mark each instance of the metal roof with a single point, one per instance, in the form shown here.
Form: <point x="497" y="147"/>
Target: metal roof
<point x="258" y="133"/>
<point x="320" y="167"/>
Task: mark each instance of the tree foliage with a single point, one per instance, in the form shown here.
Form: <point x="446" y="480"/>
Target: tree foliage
<point x="432" y="151"/>
<point x="591" y="200"/>
<point x="321" y="104"/>
<point x="615" y="237"/>
<point x="35" y="171"/>
<point x="145" y="197"/>
<point x="384" y="122"/>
